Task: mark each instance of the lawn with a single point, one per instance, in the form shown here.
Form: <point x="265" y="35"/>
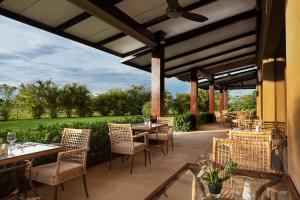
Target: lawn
<point x="34" y="123"/>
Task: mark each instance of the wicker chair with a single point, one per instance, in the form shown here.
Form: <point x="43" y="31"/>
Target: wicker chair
<point x="265" y="136"/>
<point x="164" y="133"/>
<point x="250" y="155"/>
<point x="122" y="142"/>
<point x="250" y="123"/>
<point x="71" y="162"/>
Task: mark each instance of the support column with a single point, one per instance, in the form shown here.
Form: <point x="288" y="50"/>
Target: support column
<point x="211" y="97"/>
<point x="221" y="100"/>
<point x="225" y="99"/>
<point x="157" y="81"/>
<point x="194" y="99"/>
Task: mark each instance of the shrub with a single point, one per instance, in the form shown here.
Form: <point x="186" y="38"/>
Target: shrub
<point x="183" y="122"/>
<point x="147" y="110"/>
<point x="206" y="117"/>
<point x="99" y="145"/>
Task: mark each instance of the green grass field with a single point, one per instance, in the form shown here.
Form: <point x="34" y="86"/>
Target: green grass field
<point x="34" y="123"/>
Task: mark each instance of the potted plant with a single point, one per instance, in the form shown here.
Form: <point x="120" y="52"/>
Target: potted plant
<point x="215" y="175"/>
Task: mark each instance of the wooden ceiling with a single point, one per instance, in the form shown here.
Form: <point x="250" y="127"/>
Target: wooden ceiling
<point x="129" y="29"/>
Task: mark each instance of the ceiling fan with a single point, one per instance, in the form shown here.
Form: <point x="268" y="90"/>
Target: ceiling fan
<point x="174" y="10"/>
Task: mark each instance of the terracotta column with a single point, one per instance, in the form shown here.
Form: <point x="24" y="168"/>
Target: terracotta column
<point x="194" y="99"/>
<point x="157" y="81"/>
<point x="211" y="97"/>
<point x="221" y="100"/>
<point x="225" y="94"/>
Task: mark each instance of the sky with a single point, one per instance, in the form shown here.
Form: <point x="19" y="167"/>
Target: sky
<point x="28" y="54"/>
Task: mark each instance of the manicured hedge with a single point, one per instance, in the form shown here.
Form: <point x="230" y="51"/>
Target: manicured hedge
<point x="206" y="117"/>
<point x="99" y="146"/>
<point x="183" y="122"/>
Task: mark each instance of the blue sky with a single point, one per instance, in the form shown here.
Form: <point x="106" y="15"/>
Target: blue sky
<point x="28" y="54"/>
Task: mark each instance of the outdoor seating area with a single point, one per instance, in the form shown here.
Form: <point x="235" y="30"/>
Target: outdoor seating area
<point x="219" y="47"/>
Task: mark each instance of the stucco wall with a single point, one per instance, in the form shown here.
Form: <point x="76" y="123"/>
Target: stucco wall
<point x="293" y="88"/>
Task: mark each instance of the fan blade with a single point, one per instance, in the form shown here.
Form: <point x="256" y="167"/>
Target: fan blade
<point x="173" y="4"/>
<point x="193" y="16"/>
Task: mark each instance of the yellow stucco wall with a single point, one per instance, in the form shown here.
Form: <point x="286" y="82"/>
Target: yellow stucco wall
<point x="280" y="91"/>
<point x="293" y="88"/>
<point x="268" y="91"/>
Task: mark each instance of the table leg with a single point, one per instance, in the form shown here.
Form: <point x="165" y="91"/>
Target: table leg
<point x="15" y="180"/>
<point x="29" y="178"/>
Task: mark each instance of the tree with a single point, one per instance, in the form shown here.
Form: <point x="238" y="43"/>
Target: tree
<point x="83" y="100"/>
<point x="6" y="94"/>
<point x="31" y="95"/>
<point x="50" y="93"/>
<point x="101" y="102"/>
<point x="182" y="103"/>
<point x="244" y="102"/>
<point x="136" y="98"/>
<point x="203" y="100"/>
<point x="67" y="98"/>
<point x="168" y="102"/>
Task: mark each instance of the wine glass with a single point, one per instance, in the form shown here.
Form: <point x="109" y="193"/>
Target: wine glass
<point x="243" y="188"/>
<point x="11" y="138"/>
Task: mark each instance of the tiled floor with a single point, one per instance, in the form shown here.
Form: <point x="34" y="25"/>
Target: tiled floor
<point x="119" y="184"/>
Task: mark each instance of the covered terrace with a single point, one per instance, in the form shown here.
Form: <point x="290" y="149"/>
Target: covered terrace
<point x="237" y="44"/>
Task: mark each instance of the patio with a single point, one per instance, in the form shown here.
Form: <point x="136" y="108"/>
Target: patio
<point x="119" y="184"/>
<point x="240" y="44"/>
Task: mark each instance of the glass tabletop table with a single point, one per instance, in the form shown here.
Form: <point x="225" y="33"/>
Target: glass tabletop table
<point x="185" y="185"/>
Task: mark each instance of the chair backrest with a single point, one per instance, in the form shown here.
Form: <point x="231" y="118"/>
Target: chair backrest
<point x="251" y="155"/>
<point x="166" y="120"/>
<point x="75" y="138"/>
<point x="250" y="136"/>
<point x="251" y="123"/>
<point x="120" y="133"/>
<point x="217" y="114"/>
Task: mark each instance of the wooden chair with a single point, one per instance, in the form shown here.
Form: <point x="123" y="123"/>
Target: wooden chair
<point x="164" y="133"/>
<point x="71" y="162"/>
<point x="251" y="124"/>
<point x="265" y="136"/>
<point x="122" y="142"/>
<point x="250" y="155"/>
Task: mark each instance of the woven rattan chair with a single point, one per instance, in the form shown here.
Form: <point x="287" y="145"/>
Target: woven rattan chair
<point x="71" y="162"/>
<point x="122" y="142"/>
<point x="164" y="133"/>
<point x="265" y="136"/>
<point x="250" y="155"/>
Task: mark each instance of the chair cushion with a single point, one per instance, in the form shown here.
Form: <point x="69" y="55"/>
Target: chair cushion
<point x="161" y="136"/>
<point x="47" y="173"/>
<point x="126" y="148"/>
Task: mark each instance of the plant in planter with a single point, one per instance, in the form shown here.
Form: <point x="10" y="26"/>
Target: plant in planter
<point x="215" y="176"/>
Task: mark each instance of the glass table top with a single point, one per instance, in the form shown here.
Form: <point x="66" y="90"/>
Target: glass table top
<point x="185" y="185"/>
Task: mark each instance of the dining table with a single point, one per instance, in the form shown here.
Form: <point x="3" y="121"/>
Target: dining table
<point x="21" y="156"/>
<point x="185" y="184"/>
<point x="149" y="128"/>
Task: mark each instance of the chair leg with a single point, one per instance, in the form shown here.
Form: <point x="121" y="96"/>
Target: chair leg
<point x="149" y="157"/>
<point x="172" y="143"/>
<point x="110" y="160"/>
<point x="145" y="152"/>
<point x="55" y="192"/>
<point x="132" y="163"/>
<point x="62" y="187"/>
<point x="167" y="143"/>
<point x="85" y="186"/>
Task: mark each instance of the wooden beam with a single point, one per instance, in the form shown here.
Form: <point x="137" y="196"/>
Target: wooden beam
<point x="194" y="99"/>
<point x="215" y="63"/>
<point x="158" y="20"/>
<point x="157" y="81"/>
<point x="50" y="29"/>
<point x="211" y="56"/>
<point x="219" y="43"/>
<point x="73" y="21"/>
<point x="205" y="29"/>
<point x="118" y="19"/>
<point x="232" y="66"/>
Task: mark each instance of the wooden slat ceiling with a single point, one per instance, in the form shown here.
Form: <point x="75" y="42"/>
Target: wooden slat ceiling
<point x="128" y="28"/>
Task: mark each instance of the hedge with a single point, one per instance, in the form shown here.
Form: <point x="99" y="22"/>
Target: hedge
<point x="206" y="117"/>
<point x="99" y="146"/>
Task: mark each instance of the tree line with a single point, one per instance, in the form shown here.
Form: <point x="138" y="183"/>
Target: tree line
<point x="46" y="97"/>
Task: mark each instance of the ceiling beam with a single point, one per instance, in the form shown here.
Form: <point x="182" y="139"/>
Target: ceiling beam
<point x="214" y="63"/>
<point x="118" y="19"/>
<point x="158" y="20"/>
<point x="211" y="56"/>
<point x="50" y="29"/>
<point x="204" y="29"/>
<point x="73" y="21"/>
<point x="231" y="66"/>
<point x="81" y="17"/>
